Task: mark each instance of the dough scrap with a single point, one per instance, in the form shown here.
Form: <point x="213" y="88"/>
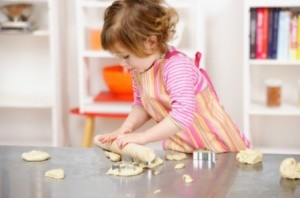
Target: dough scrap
<point x="35" y="156"/>
<point x="187" y="179"/>
<point x="157" y="191"/>
<point x="156" y="172"/>
<point x="157" y="161"/>
<point x="126" y="170"/>
<point x="290" y="169"/>
<point x="249" y="156"/>
<point x="176" y="156"/>
<point x="114" y="157"/>
<point x="179" y="166"/>
<point x="55" y="173"/>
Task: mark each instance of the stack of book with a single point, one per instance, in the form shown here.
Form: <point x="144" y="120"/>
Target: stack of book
<point x="274" y="33"/>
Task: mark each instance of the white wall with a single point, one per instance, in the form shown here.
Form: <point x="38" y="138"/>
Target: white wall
<point x="224" y="44"/>
<point x="223" y="59"/>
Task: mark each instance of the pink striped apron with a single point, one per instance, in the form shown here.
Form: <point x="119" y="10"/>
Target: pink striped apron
<point x="211" y="129"/>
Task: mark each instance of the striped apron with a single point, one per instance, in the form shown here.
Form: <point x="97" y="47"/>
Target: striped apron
<point x="211" y="129"/>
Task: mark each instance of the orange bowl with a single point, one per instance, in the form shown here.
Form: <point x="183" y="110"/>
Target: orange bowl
<point x="117" y="80"/>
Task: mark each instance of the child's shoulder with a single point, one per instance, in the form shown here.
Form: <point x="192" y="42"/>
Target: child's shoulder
<point x="178" y="60"/>
<point x="174" y="55"/>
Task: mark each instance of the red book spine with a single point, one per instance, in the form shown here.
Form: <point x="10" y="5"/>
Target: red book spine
<point x="265" y="31"/>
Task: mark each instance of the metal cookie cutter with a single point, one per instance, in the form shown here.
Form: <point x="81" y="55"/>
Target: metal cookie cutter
<point x="126" y="163"/>
<point x="120" y="166"/>
<point x="204" y="159"/>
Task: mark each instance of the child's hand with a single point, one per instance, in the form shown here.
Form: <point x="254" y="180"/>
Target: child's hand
<point x="136" y="138"/>
<point x="109" y="137"/>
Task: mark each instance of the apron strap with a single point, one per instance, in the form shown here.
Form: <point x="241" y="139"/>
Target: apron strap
<point x="198" y="57"/>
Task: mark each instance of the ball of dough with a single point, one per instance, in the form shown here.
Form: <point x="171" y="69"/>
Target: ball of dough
<point x="289" y="168"/>
<point x="249" y="156"/>
<point x="35" y="156"/>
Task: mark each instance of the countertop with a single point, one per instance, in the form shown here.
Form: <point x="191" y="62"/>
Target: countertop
<point x="85" y="176"/>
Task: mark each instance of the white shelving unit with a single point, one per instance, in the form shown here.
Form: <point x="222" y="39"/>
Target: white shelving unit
<point x="30" y="79"/>
<point x="271" y="130"/>
<point x="90" y="62"/>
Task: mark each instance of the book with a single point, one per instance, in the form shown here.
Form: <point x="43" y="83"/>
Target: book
<point x="259" y="34"/>
<point x="274" y="35"/>
<point x="270" y="32"/>
<point x="265" y="32"/>
<point x="293" y="37"/>
<point x="253" y="16"/>
<point x="283" y="34"/>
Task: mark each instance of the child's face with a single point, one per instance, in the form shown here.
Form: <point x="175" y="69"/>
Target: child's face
<point x="135" y="63"/>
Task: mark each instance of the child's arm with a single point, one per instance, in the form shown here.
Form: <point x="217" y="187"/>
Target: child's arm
<point x="180" y="78"/>
<point x="165" y="129"/>
<point x="136" y="118"/>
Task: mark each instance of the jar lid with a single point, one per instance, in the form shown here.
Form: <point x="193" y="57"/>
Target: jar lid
<point x="273" y="82"/>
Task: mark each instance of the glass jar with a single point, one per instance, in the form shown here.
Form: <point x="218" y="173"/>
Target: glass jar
<point x="273" y="91"/>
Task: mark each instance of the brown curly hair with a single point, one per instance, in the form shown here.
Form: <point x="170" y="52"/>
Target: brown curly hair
<point x="129" y="23"/>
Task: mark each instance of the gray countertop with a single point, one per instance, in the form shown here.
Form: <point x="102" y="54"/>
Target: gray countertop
<point x="86" y="177"/>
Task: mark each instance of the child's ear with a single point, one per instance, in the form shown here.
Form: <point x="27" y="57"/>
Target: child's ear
<point x="151" y="43"/>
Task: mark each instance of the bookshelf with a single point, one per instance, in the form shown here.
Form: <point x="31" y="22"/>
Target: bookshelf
<point x="270" y="129"/>
<point x="90" y="61"/>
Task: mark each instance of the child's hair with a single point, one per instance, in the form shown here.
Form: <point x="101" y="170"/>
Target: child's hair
<point x="128" y="23"/>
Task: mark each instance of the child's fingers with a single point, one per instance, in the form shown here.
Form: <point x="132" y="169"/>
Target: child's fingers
<point x="104" y="138"/>
<point x="100" y="139"/>
<point x="121" y="142"/>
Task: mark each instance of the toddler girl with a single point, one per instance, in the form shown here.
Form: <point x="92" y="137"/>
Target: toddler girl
<point x="168" y="86"/>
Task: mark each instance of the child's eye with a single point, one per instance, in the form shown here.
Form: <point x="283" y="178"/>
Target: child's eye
<point x="125" y="57"/>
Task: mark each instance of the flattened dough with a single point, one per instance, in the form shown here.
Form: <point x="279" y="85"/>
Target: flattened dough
<point x="133" y="168"/>
<point x="35" y="156"/>
<point x="289" y="168"/>
<point x="125" y="171"/>
<point x="114" y="157"/>
<point x="249" y="156"/>
<point x="55" y="173"/>
<point x="176" y="156"/>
